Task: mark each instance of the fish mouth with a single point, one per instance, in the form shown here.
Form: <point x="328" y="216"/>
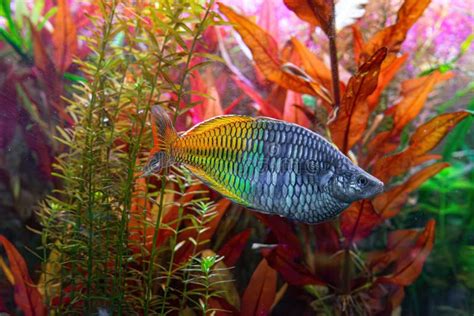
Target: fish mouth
<point x="379" y="188"/>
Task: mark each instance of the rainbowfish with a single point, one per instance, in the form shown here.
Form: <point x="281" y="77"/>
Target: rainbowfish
<point x="267" y="165"/>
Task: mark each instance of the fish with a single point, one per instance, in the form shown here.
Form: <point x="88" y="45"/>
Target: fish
<point x="267" y="165"/>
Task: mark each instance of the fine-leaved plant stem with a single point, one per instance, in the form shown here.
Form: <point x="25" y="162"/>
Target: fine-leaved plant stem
<point x="175" y="117"/>
<point x="88" y="157"/>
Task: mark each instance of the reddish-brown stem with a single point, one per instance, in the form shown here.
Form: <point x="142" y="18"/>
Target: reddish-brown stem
<point x="346" y="267"/>
<point x="333" y="56"/>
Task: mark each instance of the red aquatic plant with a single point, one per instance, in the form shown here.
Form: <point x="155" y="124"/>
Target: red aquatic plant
<point x="370" y="134"/>
<point x="27" y="297"/>
<point x="329" y="265"/>
<point x="33" y="80"/>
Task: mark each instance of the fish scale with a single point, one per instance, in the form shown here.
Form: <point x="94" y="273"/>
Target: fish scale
<point x="268" y="165"/>
<point x="272" y="187"/>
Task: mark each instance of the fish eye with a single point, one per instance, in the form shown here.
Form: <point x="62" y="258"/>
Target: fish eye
<point x="362" y="181"/>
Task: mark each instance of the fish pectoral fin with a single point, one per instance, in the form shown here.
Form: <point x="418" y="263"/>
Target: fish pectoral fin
<point x="325" y="177"/>
<point x="213" y="184"/>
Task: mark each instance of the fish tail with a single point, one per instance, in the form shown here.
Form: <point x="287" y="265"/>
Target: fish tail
<point x="164" y="136"/>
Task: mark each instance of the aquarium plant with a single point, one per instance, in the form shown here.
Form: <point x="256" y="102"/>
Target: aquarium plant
<point x="115" y="242"/>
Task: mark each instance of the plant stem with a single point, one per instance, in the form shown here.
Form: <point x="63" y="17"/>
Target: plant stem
<point x="164" y="178"/>
<point x="89" y="169"/>
<point x="194" y="41"/>
<point x="346" y="267"/>
<point x="333" y="57"/>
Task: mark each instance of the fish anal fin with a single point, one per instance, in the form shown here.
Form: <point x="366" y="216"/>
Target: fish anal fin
<point x="201" y="174"/>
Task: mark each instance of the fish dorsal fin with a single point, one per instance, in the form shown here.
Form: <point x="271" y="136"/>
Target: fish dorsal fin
<point x="216" y="122"/>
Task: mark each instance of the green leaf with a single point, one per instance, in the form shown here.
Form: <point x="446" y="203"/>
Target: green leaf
<point x="5" y="9"/>
<point x="443" y="68"/>
<point x="74" y="78"/>
<point x="207" y="263"/>
<point x="309" y="101"/>
<point x="5" y="4"/>
<point x="38" y="6"/>
<point x="21" y="11"/>
<point x="457" y="138"/>
<point x="46" y="17"/>
<point x="31" y="108"/>
<point x="466" y="44"/>
<point x="10" y="39"/>
<point x="210" y="57"/>
<point x="466" y="260"/>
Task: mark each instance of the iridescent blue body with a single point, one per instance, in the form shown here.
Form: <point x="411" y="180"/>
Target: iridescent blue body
<point x="268" y="165"/>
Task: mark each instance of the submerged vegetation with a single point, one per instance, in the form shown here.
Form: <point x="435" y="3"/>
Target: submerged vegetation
<point x="116" y="243"/>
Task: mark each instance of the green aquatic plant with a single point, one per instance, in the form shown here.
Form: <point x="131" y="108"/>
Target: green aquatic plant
<point x="94" y="225"/>
<point x="448" y="197"/>
<point x="118" y="243"/>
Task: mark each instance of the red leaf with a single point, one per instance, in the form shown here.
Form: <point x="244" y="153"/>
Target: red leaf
<point x="3" y="307"/>
<point x="260" y="293"/>
<point x="425" y="138"/>
<point x="317" y="69"/>
<point x="265" y="52"/>
<point x="282" y="229"/>
<point x="265" y="108"/>
<point x="385" y="77"/>
<point x="64" y="37"/>
<point x="358" y="42"/>
<point x="358" y="221"/>
<point x="234" y="247"/>
<point x="353" y="114"/>
<point x="383" y="299"/>
<point x="412" y="250"/>
<point x="234" y="103"/>
<point x="36" y="142"/>
<point x="53" y="84"/>
<point x="382" y="144"/>
<point x="267" y="18"/>
<point x="277" y="97"/>
<point x="327" y="238"/>
<point x="315" y="12"/>
<point x="292" y="113"/>
<point x="141" y="224"/>
<point x="393" y="36"/>
<point x="328" y="258"/>
<point x="221" y="307"/>
<point x="10" y="114"/>
<point x="27" y="297"/>
<point x="415" y="93"/>
<point x="205" y="107"/>
<point x="41" y="58"/>
<point x="294" y="273"/>
<point x="389" y="204"/>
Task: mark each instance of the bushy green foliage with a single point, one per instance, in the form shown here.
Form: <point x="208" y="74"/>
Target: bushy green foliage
<point x="87" y="222"/>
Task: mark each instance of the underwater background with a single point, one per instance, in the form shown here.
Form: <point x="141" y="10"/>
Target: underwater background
<point x="390" y="83"/>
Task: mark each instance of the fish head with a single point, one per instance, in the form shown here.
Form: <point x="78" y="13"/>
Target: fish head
<point x="355" y="184"/>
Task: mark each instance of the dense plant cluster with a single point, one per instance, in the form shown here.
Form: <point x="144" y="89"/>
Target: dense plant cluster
<point x="113" y="242"/>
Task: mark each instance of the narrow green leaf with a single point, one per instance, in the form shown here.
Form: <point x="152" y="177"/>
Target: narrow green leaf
<point x="38" y="6"/>
<point x="46" y="17"/>
<point x="74" y="78"/>
<point x="467" y="44"/>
